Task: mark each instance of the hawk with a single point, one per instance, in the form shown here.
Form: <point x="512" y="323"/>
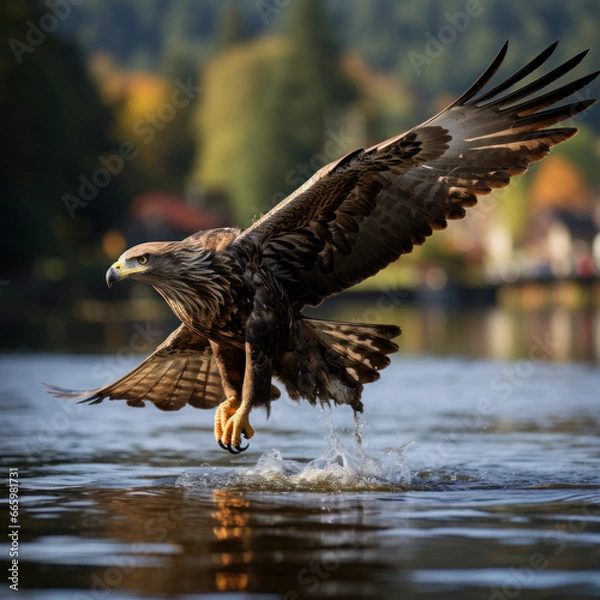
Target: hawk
<point x="240" y="294"/>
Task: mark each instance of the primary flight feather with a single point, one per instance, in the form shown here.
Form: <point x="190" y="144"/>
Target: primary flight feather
<point x="239" y="294"/>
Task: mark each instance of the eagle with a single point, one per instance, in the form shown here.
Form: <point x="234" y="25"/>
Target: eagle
<point x="240" y="294"/>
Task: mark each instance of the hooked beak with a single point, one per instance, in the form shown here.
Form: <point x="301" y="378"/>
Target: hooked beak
<point x="113" y="274"/>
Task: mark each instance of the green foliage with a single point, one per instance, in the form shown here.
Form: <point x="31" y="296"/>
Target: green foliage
<point x="268" y="100"/>
<point x="387" y="33"/>
<point x="513" y="208"/>
<point x="231" y="28"/>
<point x="176" y="144"/>
<point x="265" y="116"/>
<point x="249" y="148"/>
<point x="225" y="120"/>
<point x="303" y="93"/>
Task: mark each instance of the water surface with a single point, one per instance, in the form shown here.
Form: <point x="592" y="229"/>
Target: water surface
<point x="465" y="478"/>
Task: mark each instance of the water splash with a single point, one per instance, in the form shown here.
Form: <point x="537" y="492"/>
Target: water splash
<point x="338" y="468"/>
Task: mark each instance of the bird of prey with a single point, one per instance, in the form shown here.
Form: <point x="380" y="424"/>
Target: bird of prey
<point x="240" y="294"/>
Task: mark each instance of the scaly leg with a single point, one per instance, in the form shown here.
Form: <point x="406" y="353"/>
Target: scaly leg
<point x="232" y="417"/>
<point x="246" y="373"/>
<point x="228" y="361"/>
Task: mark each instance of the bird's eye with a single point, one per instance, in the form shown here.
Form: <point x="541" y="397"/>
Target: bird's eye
<point x="142" y="260"/>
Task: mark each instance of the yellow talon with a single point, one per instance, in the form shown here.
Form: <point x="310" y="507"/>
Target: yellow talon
<point x="238" y="424"/>
<point x="231" y="421"/>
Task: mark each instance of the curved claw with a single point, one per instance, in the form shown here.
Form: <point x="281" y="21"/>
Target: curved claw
<point x="234" y="449"/>
<point x="231" y="424"/>
<point x="231" y="449"/>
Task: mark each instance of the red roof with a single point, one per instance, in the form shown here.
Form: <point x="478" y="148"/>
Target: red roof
<point x="173" y="211"/>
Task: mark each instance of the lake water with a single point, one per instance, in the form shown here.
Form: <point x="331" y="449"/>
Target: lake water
<point x="466" y="478"/>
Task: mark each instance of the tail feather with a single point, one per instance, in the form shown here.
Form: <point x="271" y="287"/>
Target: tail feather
<point x="362" y="348"/>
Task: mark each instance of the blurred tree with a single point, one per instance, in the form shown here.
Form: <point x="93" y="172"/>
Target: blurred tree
<point x="511" y="206"/>
<point x="177" y="143"/>
<point x="224" y="121"/>
<point x="155" y="112"/>
<point x="301" y="99"/>
<point x="50" y="102"/>
<point x="55" y="131"/>
<point x="189" y="25"/>
<point x="231" y="28"/>
<point x="141" y="120"/>
<point x="454" y="37"/>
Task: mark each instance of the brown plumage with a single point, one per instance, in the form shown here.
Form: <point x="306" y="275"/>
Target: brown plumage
<point x="239" y="294"/>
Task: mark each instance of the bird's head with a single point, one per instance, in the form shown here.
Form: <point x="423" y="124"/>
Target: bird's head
<point x="146" y="262"/>
<point x="187" y="274"/>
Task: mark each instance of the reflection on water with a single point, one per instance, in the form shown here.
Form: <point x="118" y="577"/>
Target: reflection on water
<point x="161" y="540"/>
<point x="492" y="332"/>
<point x="487" y="332"/>
<point x="232" y="515"/>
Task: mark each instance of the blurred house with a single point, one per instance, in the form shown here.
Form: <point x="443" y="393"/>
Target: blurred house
<point x="563" y="226"/>
<point x="160" y="215"/>
<point x="561" y="238"/>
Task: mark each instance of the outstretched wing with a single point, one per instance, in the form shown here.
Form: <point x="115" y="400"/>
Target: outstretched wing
<point x="180" y="371"/>
<point x="358" y="214"/>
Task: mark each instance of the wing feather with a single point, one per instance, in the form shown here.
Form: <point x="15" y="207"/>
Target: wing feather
<point x="180" y="371"/>
<point x="358" y="214"/>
